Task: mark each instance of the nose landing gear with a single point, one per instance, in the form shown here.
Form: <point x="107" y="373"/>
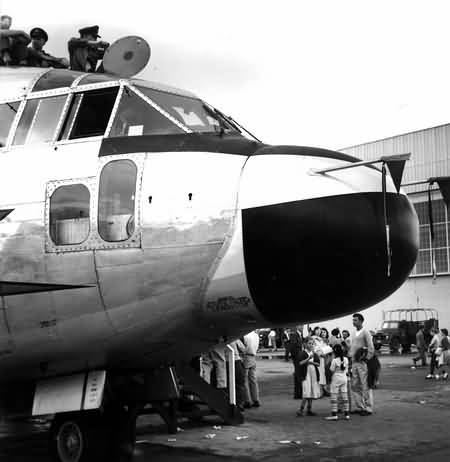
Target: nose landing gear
<point x="88" y="436"/>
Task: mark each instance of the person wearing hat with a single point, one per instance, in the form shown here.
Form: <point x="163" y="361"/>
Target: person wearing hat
<point x="13" y="43"/>
<point x="86" y="51"/>
<point x="37" y="57"/>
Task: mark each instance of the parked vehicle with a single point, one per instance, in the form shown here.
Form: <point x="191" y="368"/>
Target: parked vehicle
<point x="399" y="328"/>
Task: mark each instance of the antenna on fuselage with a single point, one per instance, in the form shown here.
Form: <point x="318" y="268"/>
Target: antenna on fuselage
<point x="127" y="56"/>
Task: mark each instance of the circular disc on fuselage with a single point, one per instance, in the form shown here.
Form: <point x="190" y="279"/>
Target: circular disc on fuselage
<point x="127" y="56"/>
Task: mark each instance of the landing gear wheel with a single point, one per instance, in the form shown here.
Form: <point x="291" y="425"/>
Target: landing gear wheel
<point x="70" y="442"/>
<point x="76" y="437"/>
<point x="91" y="436"/>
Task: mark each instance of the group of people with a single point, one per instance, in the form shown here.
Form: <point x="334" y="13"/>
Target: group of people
<point x="326" y="365"/>
<point x="213" y="369"/>
<point x="341" y="366"/>
<point x="19" y="48"/>
<point x="439" y="350"/>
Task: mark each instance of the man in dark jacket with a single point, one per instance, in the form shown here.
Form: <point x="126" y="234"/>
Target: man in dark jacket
<point x="86" y="51"/>
<point x="421" y="347"/>
<point x="295" y="347"/>
<point x="37" y="57"/>
<point x="13" y="43"/>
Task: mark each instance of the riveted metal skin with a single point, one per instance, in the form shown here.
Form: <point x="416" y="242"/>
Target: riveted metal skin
<point x="15" y="123"/>
<point x="181" y="280"/>
<point x="114" y="111"/>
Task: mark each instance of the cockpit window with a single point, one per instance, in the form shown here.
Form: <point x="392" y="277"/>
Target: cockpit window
<point x="7" y="113"/>
<point x="135" y="117"/>
<point x="191" y="112"/>
<point x="89" y="114"/>
<point x="39" y="120"/>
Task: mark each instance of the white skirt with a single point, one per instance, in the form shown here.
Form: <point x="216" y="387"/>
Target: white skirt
<point x="310" y="386"/>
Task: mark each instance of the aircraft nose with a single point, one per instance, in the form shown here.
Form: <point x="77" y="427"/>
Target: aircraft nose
<point x="323" y="257"/>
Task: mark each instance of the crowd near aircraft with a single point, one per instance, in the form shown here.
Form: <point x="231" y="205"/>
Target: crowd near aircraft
<point x="139" y="226"/>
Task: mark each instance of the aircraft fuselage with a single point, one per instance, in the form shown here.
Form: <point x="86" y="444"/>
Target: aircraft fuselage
<point x="134" y="247"/>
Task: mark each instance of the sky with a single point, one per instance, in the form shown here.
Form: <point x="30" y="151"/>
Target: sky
<point x="314" y="73"/>
<point x="320" y="73"/>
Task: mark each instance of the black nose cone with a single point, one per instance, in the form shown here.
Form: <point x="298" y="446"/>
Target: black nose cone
<point x="325" y="257"/>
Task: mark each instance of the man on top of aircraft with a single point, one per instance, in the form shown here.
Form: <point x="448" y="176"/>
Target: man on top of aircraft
<point x="86" y="51"/>
<point x="37" y="57"/>
<point x="13" y="43"/>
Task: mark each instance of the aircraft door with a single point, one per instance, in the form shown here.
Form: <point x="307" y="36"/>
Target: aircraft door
<point x="119" y="259"/>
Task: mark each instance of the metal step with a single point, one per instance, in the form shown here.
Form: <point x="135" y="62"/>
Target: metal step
<point x="216" y="399"/>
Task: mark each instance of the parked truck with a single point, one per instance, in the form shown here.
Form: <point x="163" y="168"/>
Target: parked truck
<point x="399" y="328"/>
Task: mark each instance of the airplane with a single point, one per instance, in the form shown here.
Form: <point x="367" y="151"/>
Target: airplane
<point x="139" y="226"/>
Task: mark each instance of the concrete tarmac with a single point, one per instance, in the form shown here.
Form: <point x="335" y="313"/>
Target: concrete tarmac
<point x="410" y="423"/>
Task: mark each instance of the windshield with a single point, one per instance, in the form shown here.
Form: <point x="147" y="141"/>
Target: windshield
<point x="135" y="117"/>
<point x="192" y="112"/>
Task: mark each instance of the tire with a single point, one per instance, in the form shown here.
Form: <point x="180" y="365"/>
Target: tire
<point x="406" y="348"/>
<point x="77" y="437"/>
<point x="91" y="437"/>
<point x="394" y="345"/>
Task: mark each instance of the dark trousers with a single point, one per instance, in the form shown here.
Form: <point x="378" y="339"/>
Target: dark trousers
<point x="241" y="391"/>
<point x="298" y="387"/>
<point x="432" y="362"/>
<point x="422" y="355"/>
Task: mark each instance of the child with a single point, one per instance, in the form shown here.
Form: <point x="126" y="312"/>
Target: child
<point x="444" y="357"/>
<point x="338" y="389"/>
<point x="309" y="374"/>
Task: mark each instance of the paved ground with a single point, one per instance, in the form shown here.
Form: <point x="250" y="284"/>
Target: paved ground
<point x="410" y="423"/>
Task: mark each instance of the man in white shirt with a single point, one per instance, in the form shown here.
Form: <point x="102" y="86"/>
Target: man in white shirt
<point x="251" y="342"/>
<point x="362" y="395"/>
<point x="273" y="340"/>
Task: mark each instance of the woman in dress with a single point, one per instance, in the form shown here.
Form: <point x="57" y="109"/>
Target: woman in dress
<point x="319" y="346"/>
<point x="325" y="360"/>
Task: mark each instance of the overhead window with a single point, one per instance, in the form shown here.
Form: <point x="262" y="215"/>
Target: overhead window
<point x="7" y="113"/>
<point x="69" y="214"/>
<point x="56" y="78"/>
<point x="39" y="120"/>
<point x="89" y="114"/>
<point x="117" y="200"/>
<point x="135" y="117"/>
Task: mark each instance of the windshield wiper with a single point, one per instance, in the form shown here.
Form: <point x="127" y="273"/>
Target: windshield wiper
<point x="235" y="124"/>
<point x="243" y="129"/>
<point x="216" y="116"/>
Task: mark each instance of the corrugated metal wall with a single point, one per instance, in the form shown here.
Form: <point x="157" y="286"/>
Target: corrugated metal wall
<point x="430" y="153"/>
<point x="430" y="156"/>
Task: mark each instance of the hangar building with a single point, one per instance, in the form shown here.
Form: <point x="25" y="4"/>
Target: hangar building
<point x="430" y="157"/>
